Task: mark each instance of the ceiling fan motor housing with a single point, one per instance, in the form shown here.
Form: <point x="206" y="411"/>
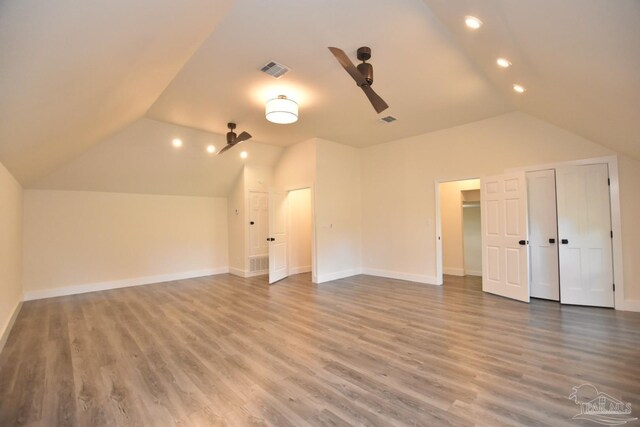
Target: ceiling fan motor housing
<point x="366" y="70"/>
<point x="231" y="136"/>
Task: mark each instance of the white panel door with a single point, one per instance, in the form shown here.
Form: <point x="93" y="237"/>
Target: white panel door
<point x="278" y="268"/>
<point x="543" y="235"/>
<point x="584" y="230"/>
<point x="505" y="255"/>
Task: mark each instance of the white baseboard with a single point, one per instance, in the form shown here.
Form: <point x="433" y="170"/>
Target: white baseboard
<point x="299" y="270"/>
<point x="419" y="278"/>
<point x="103" y="286"/>
<point x="242" y="273"/>
<point x="473" y="273"/>
<point x="453" y="271"/>
<point x="7" y="328"/>
<point x="321" y="278"/>
<point x="629" y="305"/>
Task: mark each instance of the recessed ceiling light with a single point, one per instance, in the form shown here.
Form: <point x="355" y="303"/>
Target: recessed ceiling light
<point x="211" y="149"/>
<point x="244" y="154"/>
<point x="503" y="62"/>
<point x="472" y="22"/>
<point x="177" y="142"/>
<point x="519" y="88"/>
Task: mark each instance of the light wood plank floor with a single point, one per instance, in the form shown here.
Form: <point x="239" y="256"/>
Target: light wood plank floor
<point x="360" y="351"/>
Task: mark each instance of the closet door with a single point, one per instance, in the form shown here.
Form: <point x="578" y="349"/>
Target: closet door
<point x="543" y="235"/>
<point x="584" y="230"/>
<point x="505" y="255"/>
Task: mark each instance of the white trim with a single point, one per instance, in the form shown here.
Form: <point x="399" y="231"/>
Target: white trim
<point x="298" y="270"/>
<point x="125" y="283"/>
<point x="7" y="328"/>
<point x="616" y="223"/>
<point x="411" y="277"/>
<point x="257" y="273"/>
<point x="473" y="273"/>
<point x="628" y="305"/>
<point x="338" y="275"/>
<point x="453" y="271"/>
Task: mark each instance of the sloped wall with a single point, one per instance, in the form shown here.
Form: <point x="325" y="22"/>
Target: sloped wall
<point x="10" y="250"/>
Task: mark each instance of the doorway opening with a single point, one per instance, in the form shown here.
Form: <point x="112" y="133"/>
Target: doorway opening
<point x="458" y="223"/>
<point x="300" y="231"/>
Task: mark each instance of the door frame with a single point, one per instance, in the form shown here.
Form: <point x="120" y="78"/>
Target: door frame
<point x="303" y="186"/>
<point x="439" y="266"/>
<point x="616" y="223"/>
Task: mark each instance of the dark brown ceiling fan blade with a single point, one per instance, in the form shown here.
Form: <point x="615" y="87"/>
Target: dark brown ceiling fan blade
<point x="378" y="103"/>
<point x="346" y="63"/>
<point x="242" y="137"/>
<point x="227" y="147"/>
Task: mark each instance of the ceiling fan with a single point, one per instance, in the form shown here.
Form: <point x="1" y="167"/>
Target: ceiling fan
<point x="233" y="139"/>
<point x="362" y="74"/>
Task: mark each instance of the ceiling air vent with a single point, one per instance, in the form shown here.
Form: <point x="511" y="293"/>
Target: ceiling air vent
<point x="388" y="119"/>
<point x="274" y="69"/>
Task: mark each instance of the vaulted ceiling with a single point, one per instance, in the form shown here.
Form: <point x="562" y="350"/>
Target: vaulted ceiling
<point x="92" y="93"/>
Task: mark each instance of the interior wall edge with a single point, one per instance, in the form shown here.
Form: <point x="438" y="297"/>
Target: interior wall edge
<point x="328" y="277"/>
<point x="453" y="271"/>
<point x="9" y="325"/>
<point x="628" y="305"/>
<point x="411" y="277"/>
<point x="125" y="283"/>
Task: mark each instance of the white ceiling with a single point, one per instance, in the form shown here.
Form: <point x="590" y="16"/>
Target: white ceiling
<point x="579" y="59"/>
<point x="426" y="79"/>
<point x="73" y="72"/>
<point x="77" y="80"/>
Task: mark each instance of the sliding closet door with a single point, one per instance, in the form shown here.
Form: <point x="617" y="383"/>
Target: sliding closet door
<point x="543" y="235"/>
<point x="584" y="230"/>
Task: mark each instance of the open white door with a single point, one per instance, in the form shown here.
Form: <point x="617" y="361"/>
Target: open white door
<point x="505" y="254"/>
<point x="543" y="234"/>
<point x="584" y="229"/>
<point x="278" y="268"/>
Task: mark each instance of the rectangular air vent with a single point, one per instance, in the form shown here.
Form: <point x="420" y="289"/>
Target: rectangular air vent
<point x="258" y="263"/>
<point x="274" y="69"/>
<point x="388" y="119"/>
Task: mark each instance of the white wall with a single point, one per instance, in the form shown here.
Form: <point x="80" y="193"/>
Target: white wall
<point x="300" y="230"/>
<point x="453" y="254"/>
<point x="398" y="205"/>
<point x="10" y="251"/>
<point x="472" y="241"/>
<point x="297" y="166"/>
<point x="236" y="218"/>
<point x="338" y="211"/>
<point x="629" y="170"/>
<point x="80" y="241"/>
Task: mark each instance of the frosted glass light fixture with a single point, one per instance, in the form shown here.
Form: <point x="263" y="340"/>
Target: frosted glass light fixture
<point x="281" y="110"/>
<point x="472" y="22"/>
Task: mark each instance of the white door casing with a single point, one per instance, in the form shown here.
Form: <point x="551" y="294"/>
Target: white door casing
<point x="278" y="268"/>
<point x="543" y="235"/>
<point x="505" y="266"/>
<point x="584" y="230"/>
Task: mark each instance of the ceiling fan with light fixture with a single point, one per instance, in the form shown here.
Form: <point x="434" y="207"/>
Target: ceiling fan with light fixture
<point x="233" y="139"/>
<point x="362" y="74"/>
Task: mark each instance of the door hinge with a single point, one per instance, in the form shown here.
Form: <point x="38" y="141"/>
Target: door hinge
<point x="612" y="234"/>
<point x="614" y="287"/>
<point x="608" y="181"/>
